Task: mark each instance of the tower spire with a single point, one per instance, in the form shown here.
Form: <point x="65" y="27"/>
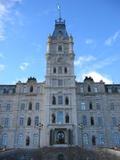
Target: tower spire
<point x="59" y="11"/>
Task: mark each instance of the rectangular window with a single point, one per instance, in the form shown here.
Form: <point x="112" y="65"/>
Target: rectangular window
<point x="95" y="89"/>
<point x="60" y="70"/>
<point x="59" y="117"/>
<point x="21" y="121"/>
<point x="84" y="120"/>
<point x="82" y="106"/>
<point x="37" y="106"/>
<point x="60" y="100"/>
<point x="6" y="123"/>
<point x="114" y="121"/>
<point x="81" y="89"/>
<point x="101" y="139"/>
<point x="36" y="121"/>
<point x="8" y="107"/>
<point x="22" y="108"/>
<point x="100" y="121"/>
<point x="60" y="82"/>
<point x="98" y="107"/>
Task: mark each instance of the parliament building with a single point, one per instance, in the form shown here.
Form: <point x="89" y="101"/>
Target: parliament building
<point x="60" y="111"/>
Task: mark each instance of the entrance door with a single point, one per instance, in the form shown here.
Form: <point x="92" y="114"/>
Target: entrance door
<point x="60" y="137"/>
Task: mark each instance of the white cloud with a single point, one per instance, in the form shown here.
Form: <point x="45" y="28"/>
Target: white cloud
<point x="109" y="41"/>
<point x="5" y="14"/>
<point x="24" y="66"/>
<point x="2" y="67"/>
<point x="89" y="41"/>
<point x="97" y="77"/>
<point x="83" y="60"/>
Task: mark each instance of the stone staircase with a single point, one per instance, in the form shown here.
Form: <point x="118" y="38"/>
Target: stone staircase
<point x="58" y="153"/>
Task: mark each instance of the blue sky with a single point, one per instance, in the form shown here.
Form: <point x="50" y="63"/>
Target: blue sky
<point x="26" y="24"/>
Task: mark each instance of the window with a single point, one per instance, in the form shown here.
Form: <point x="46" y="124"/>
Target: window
<point x="101" y="139"/>
<point x="60" y="157"/>
<point x="60" y="82"/>
<point x="60" y="48"/>
<point x="89" y="88"/>
<point x="25" y="90"/>
<point x="65" y="70"/>
<point x="60" y="100"/>
<point x="30" y="106"/>
<point x="66" y="101"/>
<point x="92" y="121"/>
<point x="21" y="121"/>
<point x="116" y="139"/>
<point x="95" y="89"/>
<point x="90" y="106"/>
<point x="5" y="139"/>
<point x="53" y="118"/>
<point x="84" y="120"/>
<point x="112" y="107"/>
<point x="36" y="121"/>
<point x="35" y="139"/>
<point x="29" y="121"/>
<point x="54" y="100"/>
<point x="85" y="139"/>
<point x="59" y="70"/>
<point x="81" y="89"/>
<point x="82" y="106"/>
<point x="22" y="106"/>
<point x="6" y="122"/>
<point x="59" y="117"/>
<point x="93" y="140"/>
<point x="67" y="118"/>
<point x="98" y="107"/>
<point x="100" y="121"/>
<point x="8" y="107"/>
<point x="20" y="139"/>
<point x="27" y="141"/>
<point x="37" y="106"/>
<point x="54" y="70"/>
<point x="114" y="121"/>
<point x="31" y="89"/>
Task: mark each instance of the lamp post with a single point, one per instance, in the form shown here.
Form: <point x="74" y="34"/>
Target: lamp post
<point x="81" y="126"/>
<point x="39" y="126"/>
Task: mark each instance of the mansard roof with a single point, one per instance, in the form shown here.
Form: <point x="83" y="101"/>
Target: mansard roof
<point x="60" y="29"/>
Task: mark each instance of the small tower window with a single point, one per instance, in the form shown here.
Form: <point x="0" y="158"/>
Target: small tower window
<point x="89" y="88"/>
<point x="29" y="121"/>
<point x="92" y="121"/>
<point x="27" y="141"/>
<point x="30" y="106"/>
<point x="60" y="48"/>
<point x="66" y="101"/>
<point x="54" y="70"/>
<point x="53" y="118"/>
<point x="67" y="118"/>
<point x="90" y="106"/>
<point x="31" y="89"/>
<point x="65" y="70"/>
<point x="54" y="100"/>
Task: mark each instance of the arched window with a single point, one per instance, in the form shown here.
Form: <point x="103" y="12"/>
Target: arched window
<point x="5" y="139"/>
<point x="66" y="101"/>
<point x="31" y="89"/>
<point x="29" y="121"/>
<point x="35" y="139"/>
<point x="54" y="100"/>
<point x="90" y="106"/>
<point x="89" y="88"/>
<point x="93" y="140"/>
<point x="60" y="99"/>
<point x="92" y="121"/>
<point x="101" y="138"/>
<point x="67" y="118"/>
<point x="30" y="106"/>
<point x="27" y="141"/>
<point x="20" y="139"/>
<point x="60" y="48"/>
<point x="53" y="118"/>
<point x="85" y="139"/>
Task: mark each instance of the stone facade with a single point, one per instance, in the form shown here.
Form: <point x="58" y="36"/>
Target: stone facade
<point x="60" y="111"/>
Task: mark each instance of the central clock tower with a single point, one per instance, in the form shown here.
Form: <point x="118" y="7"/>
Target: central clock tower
<point x="60" y="99"/>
